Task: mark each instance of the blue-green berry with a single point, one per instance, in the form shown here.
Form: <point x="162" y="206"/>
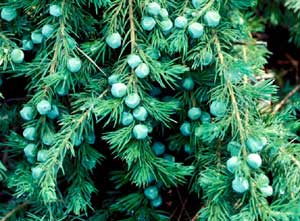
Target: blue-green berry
<point x="140" y="113"/>
<point x="91" y="138"/>
<point x="132" y="100"/>
<point x="114" y="40"/>
<point x="163" y="13"/>
<point x="37" y="37"/>
<point x="27" y="113"/>
<point x="212" y="18"/>
<point x="188" y="149"/>
<point x="262" y="180"/>
<point x="134" y="60"/>
<point x="48" y="138"/>
<point x="234" y="148"/>
<point x="140" y="131"/>
<point x="218" y="108"/>
<point x="37" y="172"/>
<point x="8" y="14"/>
<point x="27" y="45"/>
<point x="153" y="8"/>
<point x="148" y="23"/>
<point x="207" y="59"/>
<point x="118" y="90"/>
<point x="155" y="91"/>
<point x="266" y="191"/>
<point x="255" y="144"/>
<point x="158" y="148"/>
<point x="17" y="56"/>
<point x="254" y="160"/>
<point x="142" y="70"/>
<point x="76" y="139"/>
<point x="30" y="150"/>
<point x="166" y="25"/>
<point x="188" y="83"/>
<point x="29" y="133"/>
<point x="169" y="157"/>
<point x="126" y="118"/>
<point x="153" y="53"/>
<point x="194" y="113"/>
<point x="198" y="3"/>
<point x="240" y="184"/>
<point x="71" y="42"/>
<point x="43" y="107"/>
<point x="185" y="129"/>
<point x="42" y="156"/>
<point x="196" y="30"/>
<point x="205" y="117"/>
<point x="74" y="64"/>
<point x="151" y="192"/>
<point x="53" y="113"/>
<point x="112" y="79"/>
<point x="156" y="202"/>
<point x="232" y="164"/>
<point x="62" y="90"/>
<point x="47" y="30"/>
<point x="181" y="22"/>
<point x="55" y="10"/>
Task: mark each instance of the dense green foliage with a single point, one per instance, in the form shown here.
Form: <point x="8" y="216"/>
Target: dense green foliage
<point x="128" y="100"/>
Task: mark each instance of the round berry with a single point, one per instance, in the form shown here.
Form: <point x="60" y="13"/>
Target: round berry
<point x="188" y="149"/>
<point x="255" y="144"/>
<point x="198" y="3"/>
<point x="134" y="60"/>
<point x="207" y="59"/>
<point x="142" y="71"/>
<point x="47" y="30"/>
<point x="153" y="8"/>
<point x="148" y="23"/>
<point x="132" y="100"/>
<point x="262" y="180"/>
<point x="266" y="191"/>
<point x="205" y="117"/>
<point x="126" y="118"/>
<point x="185" y="129"/>
<point x="27" y="113"/>
<point x="29" y="133"/>
<point x="71" y="42"/>
<point x="156" y="202"/>
<point x="42" y="156"/>
<point x="91" y="138"/>
<point x="74" y="64"/>
<point x="153" y="53"/>
<point x="118" y="90"/>
<point x="37" y="37"/>
<point x="169" y="157"/>
<point x="212" y="18"/>
<point x="62" y="90"/>
<point x="188" y="83"/>
<point x="17" y="56"/>
<point x="151" y="192"/>
<point x="43" y="107"/>
<point x="114" y="40"/>
<point x="158" y="148"/>
<point x="27" y="45"/>
<point x="163" y="13"/>
<point x="48" y="138"/>
<point x="112" y="79"/>
<point x="155" y="91"/>
<point x="55" y="10"/>
<point x="31" y="160"/>
<point x="218" y="108"/>
<point x="234" y="148"/>
<point x="166" y="25"/>
<point x="53" y="113"/>
<point x="76" y="139"/>
<point x="30" y="150"/>
<point x="240" y="184"/>
<point x="181" y="22"/>
<point x="232" y="164"/>
<point x="196" y="30"/>
<point x="8" y="14"/>
<point x="140" y="113"/>
<point x="194" y="113"/>
<point x="37" y="172"/>
<point x="140" y="131"/>
<point x="254" y="160"/>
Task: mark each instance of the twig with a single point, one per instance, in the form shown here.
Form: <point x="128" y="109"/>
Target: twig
<point x="13" y="211"/>
<point x="183" y="206"/>
<point x="195" y="217"/>
<point x="285" y="99"/>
